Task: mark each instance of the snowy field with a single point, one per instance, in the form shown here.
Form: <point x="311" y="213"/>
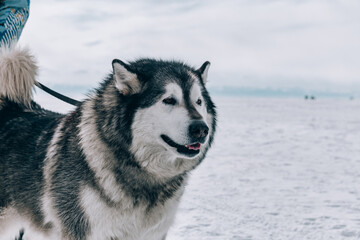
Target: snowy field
<point x="280" y="169"/>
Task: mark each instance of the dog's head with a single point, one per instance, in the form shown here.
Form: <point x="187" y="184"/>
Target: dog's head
<point x="174" y="120"/>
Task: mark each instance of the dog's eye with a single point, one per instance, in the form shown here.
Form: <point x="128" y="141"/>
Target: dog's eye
<point x="169" y="101"/>
<point x="199" y="102"/>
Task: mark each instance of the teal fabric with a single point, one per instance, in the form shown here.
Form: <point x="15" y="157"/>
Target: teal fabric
<point x="14" y="4"/>
<point x="13" y="16"/>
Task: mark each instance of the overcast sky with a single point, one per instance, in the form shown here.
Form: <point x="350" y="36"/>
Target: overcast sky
<point x="311" y="45"/>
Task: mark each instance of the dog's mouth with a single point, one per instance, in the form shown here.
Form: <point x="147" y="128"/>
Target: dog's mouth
<point x="188" y="150"/>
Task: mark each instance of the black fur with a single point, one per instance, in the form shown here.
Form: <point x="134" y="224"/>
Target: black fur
<point x="25" y="136"/>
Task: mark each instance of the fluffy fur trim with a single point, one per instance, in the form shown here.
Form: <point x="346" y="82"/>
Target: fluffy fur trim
<point x="18" y="70"/>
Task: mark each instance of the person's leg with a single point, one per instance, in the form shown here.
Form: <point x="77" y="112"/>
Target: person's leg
<point x="13" y="16"/>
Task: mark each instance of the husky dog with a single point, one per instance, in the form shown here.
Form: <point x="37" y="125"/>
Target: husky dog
<point x="116" y="166"/>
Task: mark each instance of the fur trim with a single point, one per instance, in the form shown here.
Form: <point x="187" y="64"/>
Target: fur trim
<point x="18" y="70"/>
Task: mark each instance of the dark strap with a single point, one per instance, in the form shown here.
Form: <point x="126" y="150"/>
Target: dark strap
<point x="58" y="95"/>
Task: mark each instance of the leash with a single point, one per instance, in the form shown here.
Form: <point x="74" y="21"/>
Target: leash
<point x="58" y="95"/>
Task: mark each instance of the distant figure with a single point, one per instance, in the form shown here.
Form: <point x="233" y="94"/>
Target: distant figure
<point x="13" y="16"/>
<point x="306" y="97"/>
<point x="313" y="98"/>
<point x="351" y="98"/>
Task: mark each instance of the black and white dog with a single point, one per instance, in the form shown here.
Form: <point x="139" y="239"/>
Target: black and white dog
<point x="116" y="166"/>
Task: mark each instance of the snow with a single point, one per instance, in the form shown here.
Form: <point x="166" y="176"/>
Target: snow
<point x="279" y="169"/>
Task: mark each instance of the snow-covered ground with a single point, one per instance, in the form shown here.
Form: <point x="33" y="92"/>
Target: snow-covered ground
<point x="280" y="169"/>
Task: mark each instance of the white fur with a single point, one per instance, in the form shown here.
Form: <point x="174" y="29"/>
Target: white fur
<point x="126" y="222"/>
<point x="149" y="123"/>
<point x="18" y="71"/>
<point x="11" y="222"/>
<point x="150" y="150"/>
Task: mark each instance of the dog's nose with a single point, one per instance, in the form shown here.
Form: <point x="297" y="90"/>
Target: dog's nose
<point x="198" y="130"/>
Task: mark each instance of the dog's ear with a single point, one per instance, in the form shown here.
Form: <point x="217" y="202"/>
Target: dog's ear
<point x="125" y="81"/>
<point x="203" y="70"/>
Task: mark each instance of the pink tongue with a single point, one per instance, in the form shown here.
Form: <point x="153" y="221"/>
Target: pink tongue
<point x="195" y="146"/>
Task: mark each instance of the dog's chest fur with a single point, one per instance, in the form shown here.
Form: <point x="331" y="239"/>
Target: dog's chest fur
<point x="111" y="207"/>
<point x="124" y="221"/>
<point x="116" y="216"/>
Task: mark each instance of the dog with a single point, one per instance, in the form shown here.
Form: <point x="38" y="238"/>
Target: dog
<point x="113" y="168"/>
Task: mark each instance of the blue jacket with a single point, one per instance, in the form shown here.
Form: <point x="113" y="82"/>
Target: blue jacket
<point x="13" y="16"/>
<point x="7" y="5"/>
<point x="15" y="3"/>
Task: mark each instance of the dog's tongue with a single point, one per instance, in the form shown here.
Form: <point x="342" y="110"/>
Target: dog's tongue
<point x="195" y="146"/>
